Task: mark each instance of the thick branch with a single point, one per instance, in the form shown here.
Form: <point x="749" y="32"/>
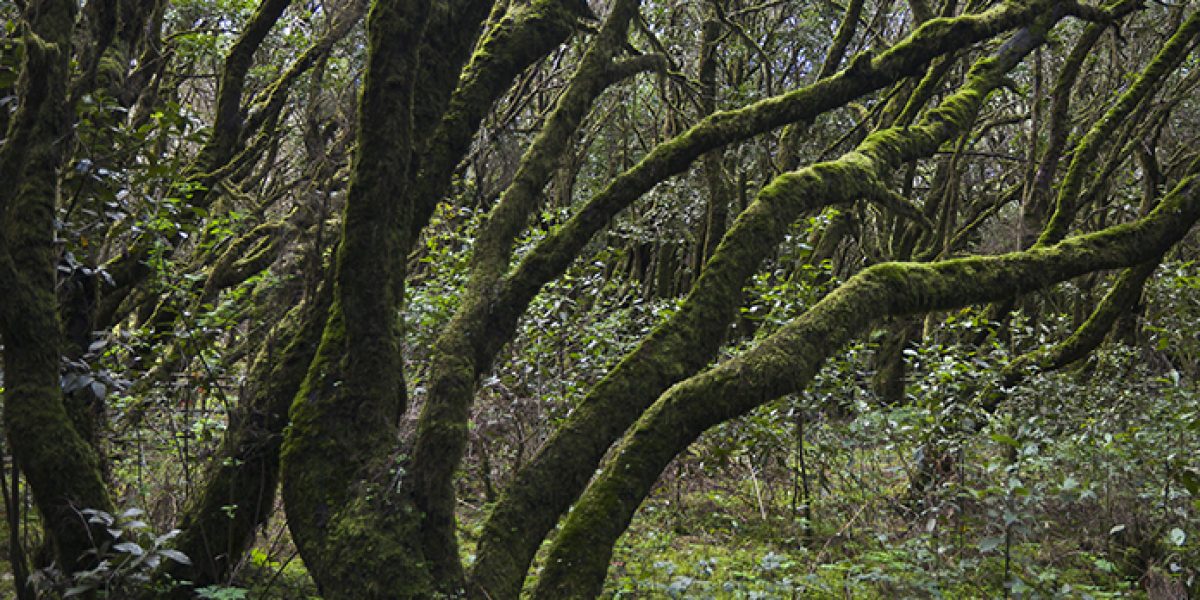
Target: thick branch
<point x="460" y="353"/>
<point x="337" y="460"/>
<point x="523" y="36"/>
<point x="786" y="362"/>
<point x="61" y="468"/>
<point x="1097" y="138"/>
<point x="691" y="337"/>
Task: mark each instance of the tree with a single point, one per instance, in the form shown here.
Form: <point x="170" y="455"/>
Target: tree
<point x="371" y="503"/>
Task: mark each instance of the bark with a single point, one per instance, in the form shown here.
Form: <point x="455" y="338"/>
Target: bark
<point x="361" y="503"/>
<point x="1036" y="204"/>
<point x="786" y="362"/>
<point x="355" y="531"/>
<point x="546" y="486"/>
<point x="227" y="122"/>
<point x="520" y="38"/>
<point x="1087" y="337"/>
<point x="268" y="103"/>
<point x="716" y="213"/>
<point x="463" y="351"/>
<point x="61" y="468"/>
<point x="890" y="367"/>
<point x="1099" y="136"/>
<point x="577" y="564"/>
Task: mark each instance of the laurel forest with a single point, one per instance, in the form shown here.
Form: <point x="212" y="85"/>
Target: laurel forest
<point x="567" y="299"/>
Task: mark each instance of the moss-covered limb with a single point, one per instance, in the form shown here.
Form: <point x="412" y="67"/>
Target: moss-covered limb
<point x="689" y="339"/>
<point x="525" y="34"/>
<point x="1148" y="81"/>
<point x="841" y="40"/>
<point x="227" y="121"/>
<point x="454" y="32"/>
<point x="466" y="348"/>
<point x="1035" y="205"/>
<point x="1121" y="298"/>
<point x="252" y="249"/>
<point x="907" y="57"/>
<point x="786" y="362"/>
<point x="716" y="211"/>
<point x="354" y="531"/>
<point x="545" y="487"/>
<point x="239" y="491"/>
<point x="271" y="99"/>
<point x="1123" y="295"/>
<point x="61" y="468"/>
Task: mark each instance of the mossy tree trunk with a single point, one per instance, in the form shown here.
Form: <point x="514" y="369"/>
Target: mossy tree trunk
<point x="366" y="527"/>
<point x="577" y="563"/>
<point x="355" y="531"/>
<point x="545" y="487"/>
<point x="60" y="466"/>
<point x="786" y="362"/>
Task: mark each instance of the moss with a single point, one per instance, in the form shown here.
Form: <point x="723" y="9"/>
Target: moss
<point x="786" y="361"/>
<point x="688" y="340"/>
<point x="581" y="548"/>
<point x="353" y="524"/>
<point x="245" y="473"/>
<point x="906" y="58"/>
<point x="59" y="465"/>
<point x="1164" y="62"/>
<point x="525" y="34"/>
<point x="467" y="346"/>
<point x="1087" y="337"/>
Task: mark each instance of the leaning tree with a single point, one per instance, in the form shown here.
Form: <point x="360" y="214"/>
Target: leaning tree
<point x="341" y="194"/>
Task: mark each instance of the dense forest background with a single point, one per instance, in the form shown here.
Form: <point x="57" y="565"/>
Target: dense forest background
<point x="558" y="299"/>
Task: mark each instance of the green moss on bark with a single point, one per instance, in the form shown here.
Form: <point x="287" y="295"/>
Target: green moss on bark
<point x="786" y="361"/>
<point x="689" y="339"/>
<point x="61" y="468"/>
<point x="1098" y="137"/>
<point x="340" y="477"/>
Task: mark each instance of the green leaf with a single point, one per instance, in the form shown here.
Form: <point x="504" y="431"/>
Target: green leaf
<point x="1000" y="438"/>
<point x="988" y="544"/>
<point x="1178" y="537"/>
<point x="129" y="548"/>
<point x="1190" y="480"/>
<point x="176" y="556"/>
